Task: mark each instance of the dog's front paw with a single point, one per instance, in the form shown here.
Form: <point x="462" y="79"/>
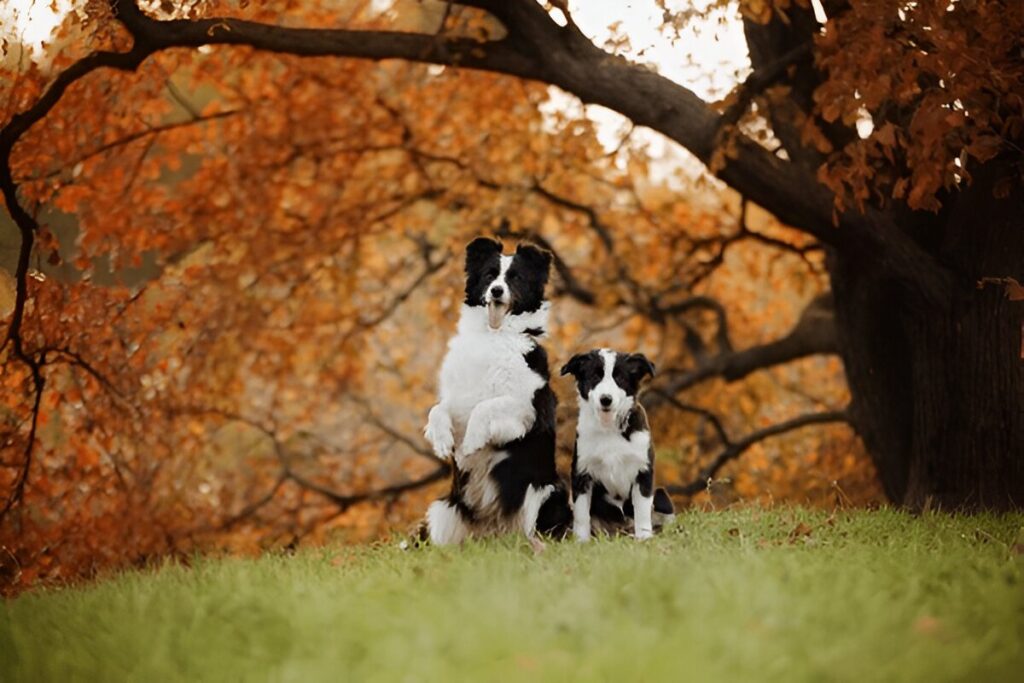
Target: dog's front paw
<point x="474" y="440"/>
<point x="443" y="444"/>
<point x="439" y="433"/>
<point x="643" y="534"/>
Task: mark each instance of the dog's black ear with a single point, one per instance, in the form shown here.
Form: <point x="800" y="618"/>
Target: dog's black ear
<point x="537" y="258"/>
<point x="479" y="250"/>
<point x="575" y="365"/>
<point x="640" y="366"/>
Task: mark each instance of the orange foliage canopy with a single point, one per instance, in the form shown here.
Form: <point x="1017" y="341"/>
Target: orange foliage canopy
<point x="250" y="262"/>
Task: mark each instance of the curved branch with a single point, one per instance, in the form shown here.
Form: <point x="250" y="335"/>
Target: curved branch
<point x="539" y="49"/>
<point x="346" y="501"/>
<point x="39" y="385"/>
<point x="343" y="501"/>
<point x="735" y="449"/>
<point x="814" y="333"/>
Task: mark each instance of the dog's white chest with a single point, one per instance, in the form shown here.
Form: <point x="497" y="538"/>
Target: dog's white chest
<point x="612" y="459"/>
<point x="483" y="365"/>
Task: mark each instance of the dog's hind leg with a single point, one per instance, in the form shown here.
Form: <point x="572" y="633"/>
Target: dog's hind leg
<point x="445" y="523"/>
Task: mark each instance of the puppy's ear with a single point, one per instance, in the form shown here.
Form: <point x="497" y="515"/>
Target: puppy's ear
<point x="537" y="258"/>
<point x="640" y="366"/>
<point x="479" y="250"/>
<point x="574" y="366"/>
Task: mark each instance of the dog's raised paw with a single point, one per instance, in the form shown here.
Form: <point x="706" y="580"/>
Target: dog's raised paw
<point x="442" y="441"/>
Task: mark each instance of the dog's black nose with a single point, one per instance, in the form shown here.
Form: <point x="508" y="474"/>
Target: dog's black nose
<point x="497" y="291"/>
<point x="606" y="401"/>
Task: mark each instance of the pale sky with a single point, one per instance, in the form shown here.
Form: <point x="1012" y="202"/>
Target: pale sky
<point x="30" y="22"/>
<point x="708" y="56"/>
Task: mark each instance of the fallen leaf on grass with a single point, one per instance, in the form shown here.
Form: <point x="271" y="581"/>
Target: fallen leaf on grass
<point x="801" y="530"/>
<point x="927" y="626"/>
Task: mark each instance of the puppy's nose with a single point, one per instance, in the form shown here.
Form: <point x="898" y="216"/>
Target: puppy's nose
<point x="606" y="401"/>
<point x="497" y="291"/>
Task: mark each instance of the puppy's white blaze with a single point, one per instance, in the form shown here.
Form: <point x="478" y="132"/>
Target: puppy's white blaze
<point x="622" y="402"/>
<point x="642" y="508"/>
<point x="445" y="524"/>
<point x="535" y="498"/>
<point x="581" y="516"/>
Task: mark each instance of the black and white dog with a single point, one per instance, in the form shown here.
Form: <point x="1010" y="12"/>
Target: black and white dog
<point x="496" y="412"/>
<point x="613" y="460"/>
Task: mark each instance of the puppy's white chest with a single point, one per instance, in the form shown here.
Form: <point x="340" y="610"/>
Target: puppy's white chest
<point x="612" y="459"/>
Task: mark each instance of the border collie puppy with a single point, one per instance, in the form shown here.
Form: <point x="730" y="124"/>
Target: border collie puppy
<point x="613" y="460"/>
<point x="495" y="417"/>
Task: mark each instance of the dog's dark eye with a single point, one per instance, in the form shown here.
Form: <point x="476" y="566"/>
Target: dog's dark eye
<point x="493" y="272"/>
<point x="513" y="275"/>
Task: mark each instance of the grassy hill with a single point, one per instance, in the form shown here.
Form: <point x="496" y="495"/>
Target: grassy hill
<point x="783" y="595"/>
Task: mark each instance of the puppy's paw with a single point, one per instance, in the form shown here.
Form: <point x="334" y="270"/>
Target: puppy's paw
<point x="643" y="534"/>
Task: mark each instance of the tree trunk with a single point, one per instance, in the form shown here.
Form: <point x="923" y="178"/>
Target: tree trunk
<point x="938" y="391"/>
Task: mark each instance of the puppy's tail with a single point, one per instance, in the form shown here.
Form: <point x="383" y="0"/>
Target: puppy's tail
<point x="663" y="503"/>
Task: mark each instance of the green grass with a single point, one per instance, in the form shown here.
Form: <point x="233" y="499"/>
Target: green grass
<point x="725" y="596"/>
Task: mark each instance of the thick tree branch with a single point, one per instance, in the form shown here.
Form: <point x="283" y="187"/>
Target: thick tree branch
<point x="814" y="333"/>
<point x="762" y="77"/>
<point x="537" y="48"/>
<point x="38" y="385"/>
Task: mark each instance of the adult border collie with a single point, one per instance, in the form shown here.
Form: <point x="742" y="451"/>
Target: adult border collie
<point x="613" y="459"/>
<point x="495" y="417"/>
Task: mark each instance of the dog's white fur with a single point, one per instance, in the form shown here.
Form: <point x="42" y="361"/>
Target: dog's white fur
<point x="607" y="456"/>
<point x="486" y="389"/>
<point x="485" y="397"/>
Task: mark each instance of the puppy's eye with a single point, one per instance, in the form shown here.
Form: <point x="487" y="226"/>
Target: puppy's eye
<point x="513" y="275"/>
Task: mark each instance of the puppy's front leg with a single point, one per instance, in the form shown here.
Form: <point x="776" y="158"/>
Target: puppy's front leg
<point x="581" y="514"/>
<point x="497" y="420"/>
<point x="643" y="504"/>
<point x="582" y="485"/>
<point x="439" y="431"/>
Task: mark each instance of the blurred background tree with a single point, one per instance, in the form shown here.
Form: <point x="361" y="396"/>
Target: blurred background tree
<point x="235" y="255"/>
